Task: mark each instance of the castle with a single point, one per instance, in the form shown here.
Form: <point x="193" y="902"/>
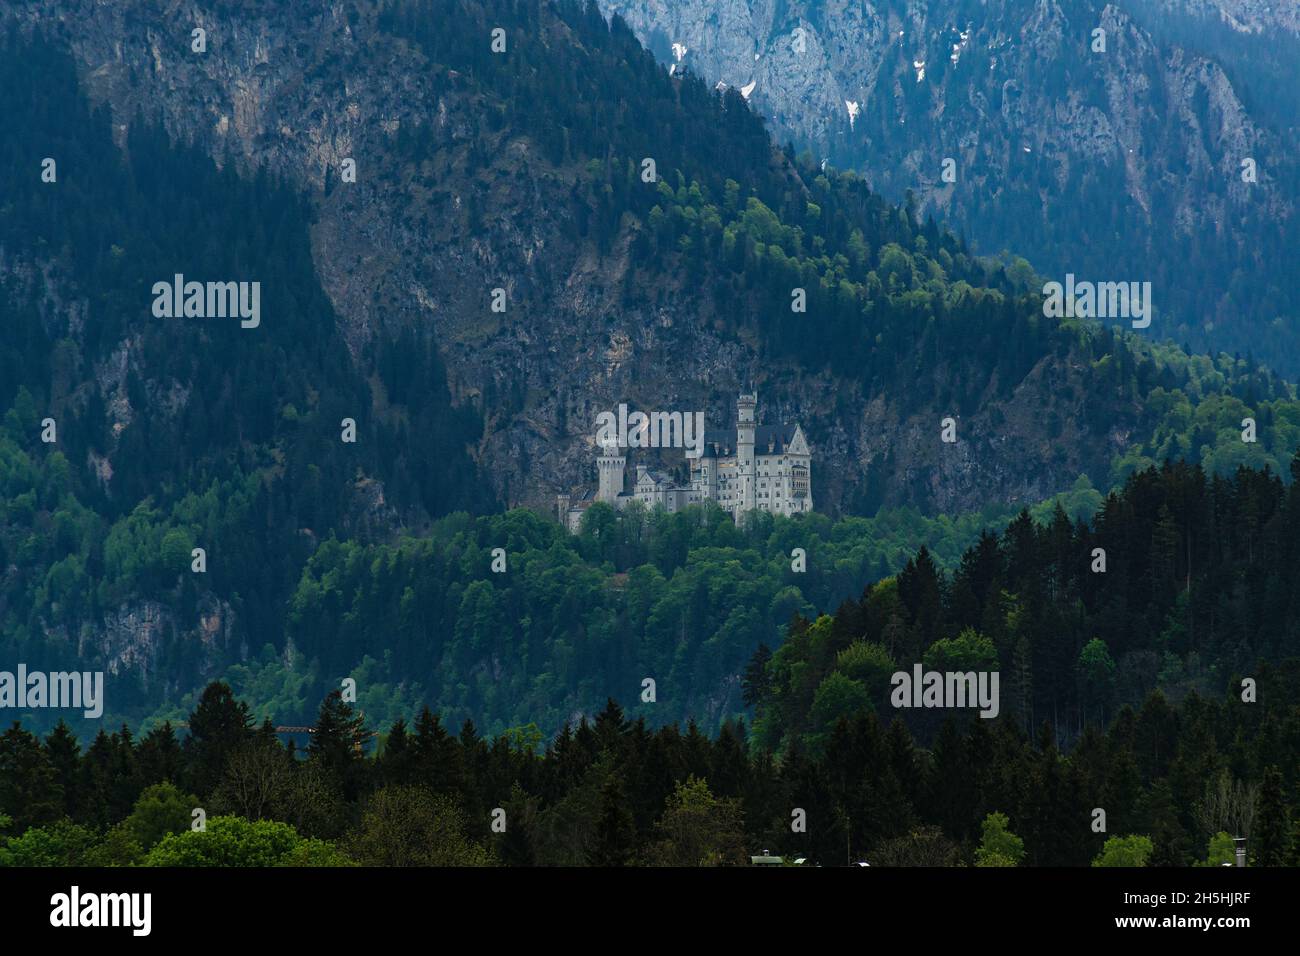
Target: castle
<point x="748" y="468"/>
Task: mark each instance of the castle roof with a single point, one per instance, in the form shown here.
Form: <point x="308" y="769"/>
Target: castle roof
<point x="721" y="443"/>
<point x="658" y="477"/>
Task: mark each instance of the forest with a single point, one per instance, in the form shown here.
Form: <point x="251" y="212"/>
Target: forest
<point x="1161" y="690"/>
<point x="1174" y="782"/>
<point x="178" y="435"/>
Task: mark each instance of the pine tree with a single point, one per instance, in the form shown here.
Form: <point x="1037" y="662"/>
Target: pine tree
<point x="337" y="742"/>
<point x="439" y="763"/>
<point x="64" y="752"/>
<point x="397" y="763"/>
<point x="159" y="757"/>
<point x="1271" y="832"/>
<point x="615" y="841"/>
<point x="218" y="725"/>
<point x="30" y="793"/>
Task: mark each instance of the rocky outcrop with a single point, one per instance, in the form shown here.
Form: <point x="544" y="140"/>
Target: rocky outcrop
<point x="134" y="638"/>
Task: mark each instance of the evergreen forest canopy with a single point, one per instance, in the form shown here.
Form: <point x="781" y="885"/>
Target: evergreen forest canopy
<point x="1176" y="782"/>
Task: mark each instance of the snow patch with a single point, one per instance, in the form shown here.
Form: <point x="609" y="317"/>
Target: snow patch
<point x="746" y="90"/>
<point x="853" y="108"/>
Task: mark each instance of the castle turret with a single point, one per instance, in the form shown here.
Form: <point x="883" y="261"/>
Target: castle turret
<point x="745" y="491"/>
<point x="611" y="465"/>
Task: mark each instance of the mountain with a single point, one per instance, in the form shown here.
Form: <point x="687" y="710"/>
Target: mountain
<point x="1250" y="17"/>
<point x="519" y="172"/>
<point x="476" y="171"/>
<point x="1010" y="121"/>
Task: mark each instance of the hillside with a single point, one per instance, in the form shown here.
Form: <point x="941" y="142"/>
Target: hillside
<point x="1146" y="719"/>
<point x="1117" y="163"/>
<point x="607" y="300"/>
<point x="518" y="171"/>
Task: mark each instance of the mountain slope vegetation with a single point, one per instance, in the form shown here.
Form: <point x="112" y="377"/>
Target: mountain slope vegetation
<point x="519" y="170"/>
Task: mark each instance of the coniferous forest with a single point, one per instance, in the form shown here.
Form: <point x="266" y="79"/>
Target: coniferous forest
<point x="1123" y="690"/>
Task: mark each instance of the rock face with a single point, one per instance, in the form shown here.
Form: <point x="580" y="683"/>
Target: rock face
<point x="299" y="93"/>
<point x="1115" y="162"/>
<point x="129" y="641"/>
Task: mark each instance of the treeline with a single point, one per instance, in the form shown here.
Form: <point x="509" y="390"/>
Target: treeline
<point x="1166" y="785"/>
<point x="1180" y="581"/>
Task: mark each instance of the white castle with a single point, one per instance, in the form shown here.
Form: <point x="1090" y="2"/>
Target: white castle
<point x="748" y="468"/>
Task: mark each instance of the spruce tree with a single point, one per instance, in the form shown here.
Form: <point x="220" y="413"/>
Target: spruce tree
<point x="30" y="793"/>
<point x="615" y="830"/>
<point x="1271" y="833"/>
<point x="64" y="751"/>
<point x="218" y="725"/>
<point x="337" y="742"/>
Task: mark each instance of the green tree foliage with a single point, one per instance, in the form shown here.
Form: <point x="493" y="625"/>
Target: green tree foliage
<point x="337" y="741"/>
<point x="219" y="725"/>
<point x="233" y="841"/>
<point x="613" y="791"/>
<point x="30" y="792"/>
<point x="998" y="845"/>
<point x="699" y="829"/>
<point x="411" y="826"/>
<point x="161" y="809"/>
<point x="1271" y="833"/>
<point x="1124" y="851"/>
<point x="62" y="844"/>
<point x="1070" y="643"/>
<point x="1222" y="851"/>
<point x="616" y="830"/>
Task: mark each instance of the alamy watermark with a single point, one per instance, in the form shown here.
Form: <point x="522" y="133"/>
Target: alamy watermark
<point x="651" y="430"/>
<point x="61" y="689"/>
<point x="75" y="908"/>
<point x="209" y="300"/>
<point x="1098" y="300"/>
<point x="953" y="689"/>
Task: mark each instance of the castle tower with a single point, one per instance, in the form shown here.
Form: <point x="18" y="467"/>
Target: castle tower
<point x="611" y="465"/>
<point x="705" y="476"/>
<point x="746" y="483"/>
